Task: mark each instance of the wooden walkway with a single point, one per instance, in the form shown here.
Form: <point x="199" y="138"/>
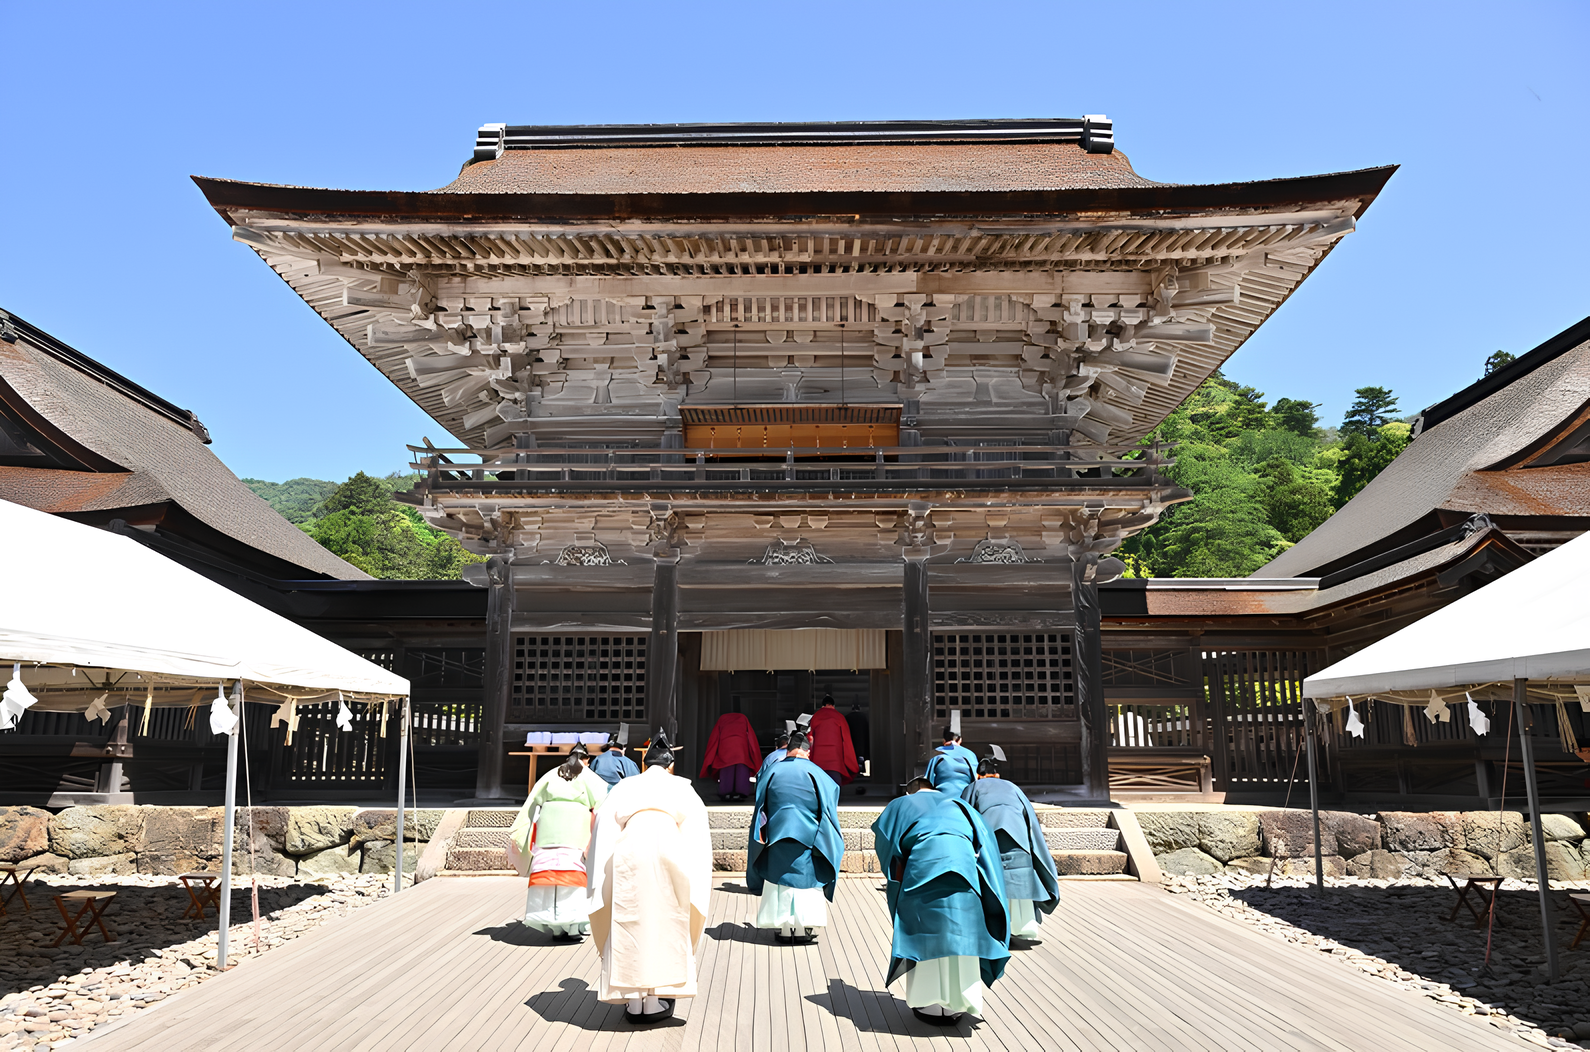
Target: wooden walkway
<point x="1124" y="966"/>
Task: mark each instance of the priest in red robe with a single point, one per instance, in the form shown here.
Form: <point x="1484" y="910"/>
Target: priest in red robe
<point x="832" y="749"/>
<point x="733" y="755"/>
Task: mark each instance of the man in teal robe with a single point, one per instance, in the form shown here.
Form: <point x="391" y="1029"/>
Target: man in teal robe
<point x="953" y="766"/>
<point x="1032" y="887"/>
<point x="780" y="750"/>
<point x="792" y="859"/>
<point x="946" y="895"/>
<point x="613" y="766"/>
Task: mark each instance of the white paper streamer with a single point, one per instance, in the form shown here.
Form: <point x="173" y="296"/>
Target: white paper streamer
<point x="344" y="714"/>
<point x="16" y="699"/>
<point x="97" y="711"/>
<point x="222" y="719"/>
<point x="1437" y="710"/>
<point x="1355" y="726"/>
<point x="1477" y="718"/>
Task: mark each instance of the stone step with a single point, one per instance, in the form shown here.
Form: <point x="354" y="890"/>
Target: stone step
<point x="490" y="819"/>
<point x="1083" y="839"/>
<point x="1072" y="818"/>
<point x="477" y="860"/>
<point x="483" y="839"/>
<point x="1089" y="863"/>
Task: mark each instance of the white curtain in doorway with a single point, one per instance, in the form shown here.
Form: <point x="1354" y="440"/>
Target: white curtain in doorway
<point x="798" y="649"/>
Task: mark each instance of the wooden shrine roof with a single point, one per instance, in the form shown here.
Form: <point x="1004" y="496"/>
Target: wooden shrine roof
<point x="131" y="455"/>
<point x="1515" y="449"/>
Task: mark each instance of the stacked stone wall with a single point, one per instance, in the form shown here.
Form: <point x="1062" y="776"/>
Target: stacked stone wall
<point x="1388" y="846"/>
<point x="286" y="841"/>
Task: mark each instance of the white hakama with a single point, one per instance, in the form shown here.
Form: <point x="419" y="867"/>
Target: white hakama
<point x="953" y="983"/>
<point x="791" y="908"/>
<point x="1024" y="920"/>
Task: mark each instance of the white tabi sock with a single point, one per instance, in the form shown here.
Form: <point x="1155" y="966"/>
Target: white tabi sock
<point x="636" y="1005"/>
<point x="653" y="1004"/>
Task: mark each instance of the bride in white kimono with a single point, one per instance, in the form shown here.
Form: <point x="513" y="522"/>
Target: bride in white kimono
<point x="650" y="866"/>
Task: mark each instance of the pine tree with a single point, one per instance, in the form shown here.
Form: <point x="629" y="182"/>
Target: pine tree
<point x="1372" y="408"/>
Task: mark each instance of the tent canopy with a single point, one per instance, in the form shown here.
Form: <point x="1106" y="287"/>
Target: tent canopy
<point x="1532" y="624"/>
<point x="80" y="597"/>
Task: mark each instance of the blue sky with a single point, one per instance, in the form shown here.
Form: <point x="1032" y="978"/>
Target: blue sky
<point x="1477" y="243"/>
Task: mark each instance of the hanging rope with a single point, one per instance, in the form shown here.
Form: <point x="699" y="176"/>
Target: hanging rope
<point x="248" y="795"/>
<point x="1296" y="756"/>
<point x="1507" y="754"/>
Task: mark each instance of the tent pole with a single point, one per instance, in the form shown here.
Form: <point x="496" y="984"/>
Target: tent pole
<point x="1526" y="747"/>
<point x="403" y="778"/>
<point x="225" y="907"/>
<point x="1313" y="795"/>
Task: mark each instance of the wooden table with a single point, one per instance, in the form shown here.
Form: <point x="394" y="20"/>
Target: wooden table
<point x="1478" y="886"/>
<point x="203" y="889"/>
<point x="1579" y="902"/>
<point x="91" y="904"/>
<point x="14" y="873"/>
<point x="534" y="751"/>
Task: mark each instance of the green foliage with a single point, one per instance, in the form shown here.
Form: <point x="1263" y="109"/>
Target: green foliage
<point x="1296" y="416"/>
<point x="1262" y="478"/>
<point x="296" y="500"/>
<point x="1372" y="408"/>
<point x="1366" y="457"/>
<point x="360" y="522"/>
<point x="1497" y="360"/>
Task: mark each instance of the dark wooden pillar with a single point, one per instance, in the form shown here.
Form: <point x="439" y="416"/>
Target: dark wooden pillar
<point x="1087" y="677"/>
<point x="662" y="652"/>
<point x="499" y="678"/>
<point x="915" y="667"/>
<point x="109" y="780"/>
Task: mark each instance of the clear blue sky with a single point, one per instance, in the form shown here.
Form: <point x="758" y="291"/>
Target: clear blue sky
<point x="1477" y="244"/>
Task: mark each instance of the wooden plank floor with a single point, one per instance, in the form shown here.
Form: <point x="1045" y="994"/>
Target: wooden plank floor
<point x="1123" y="966"/>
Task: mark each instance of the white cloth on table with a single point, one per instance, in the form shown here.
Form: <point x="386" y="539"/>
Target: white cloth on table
<point x="1023" y="919"/>
<point x="557" y="909"/>
<point x="784" y="907"/>
<point x="956" y="983"/>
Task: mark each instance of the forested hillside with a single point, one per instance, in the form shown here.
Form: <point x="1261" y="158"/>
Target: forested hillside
<point x="360" y="522"/>
<point x="1263" y="476"/>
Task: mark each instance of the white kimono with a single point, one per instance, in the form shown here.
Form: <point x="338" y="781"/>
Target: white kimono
<point x="650" y="872"/>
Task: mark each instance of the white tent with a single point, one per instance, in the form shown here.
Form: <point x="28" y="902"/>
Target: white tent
<point x="79" y="598"/>
<point x="1527" y="634"/>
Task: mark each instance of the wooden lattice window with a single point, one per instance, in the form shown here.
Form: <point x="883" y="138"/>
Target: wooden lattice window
<point x="1003" y="675"/>
<point x="574" y="678"/>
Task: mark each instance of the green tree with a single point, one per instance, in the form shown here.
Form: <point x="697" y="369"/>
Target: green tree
<point x="1296" y="416"/>
<point x="296" y="500"/>
<point x="361" y="523"/>
<point x="1497" y="360"/>
<point x="1366" y="457"/>
<point x="1371" y="408"/>
<point x="1293" y="504"/>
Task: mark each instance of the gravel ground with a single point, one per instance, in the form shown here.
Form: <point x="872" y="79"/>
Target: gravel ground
<point x="1397" y="931"/>
<point x="50" y="995"/>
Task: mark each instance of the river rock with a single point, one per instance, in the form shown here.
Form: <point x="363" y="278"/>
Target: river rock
<point x="381" y="856"/>
<point x="1252" y="865"/>
<point x="24" y="832"/>
<point x="48" y="863"/>
<point x="1335" y="866"/>
<point x="328" y="862"/>
<point x="1422" y="831"/>
<point x="267" y="823"/>
<point x="93" y="831"/>
<point x="104" y="865"/>
<point x="1290" y="834"/>
<point x="313" y="829"/>
<point x="1188" y="861"/>
<point x="1168" y="831"/>
<point x="268" y="857"/>
<point x="1226" y="835"/>
<point x="1491" y="833"/>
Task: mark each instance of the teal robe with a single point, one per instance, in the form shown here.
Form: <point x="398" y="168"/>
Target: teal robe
<point x="800" y="845"/>
<point x="1023" y="852"/>
<point x="952" y="768"/>
<point x="946" y="884"/>
<point x="773" y="757"/>
<point x="613" y="767"/>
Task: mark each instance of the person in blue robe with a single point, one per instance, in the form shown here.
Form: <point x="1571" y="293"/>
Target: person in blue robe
<point x="953" y="766"/>
<point x="613" y="766"/>
<point x="795" y="847"/>
<point x="780" y="748"/>
<point x="1032" y="888"/>
<point x="946" y="893"/>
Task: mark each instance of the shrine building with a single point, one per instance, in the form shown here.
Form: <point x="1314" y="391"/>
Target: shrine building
<point x="750" y="414"/>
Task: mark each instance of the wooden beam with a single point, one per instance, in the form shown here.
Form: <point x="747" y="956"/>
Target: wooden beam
<point x="716" y="285"/>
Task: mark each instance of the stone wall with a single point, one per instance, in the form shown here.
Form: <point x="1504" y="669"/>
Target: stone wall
<point x="1387" y="846"/>
<point x="287" y="841"/>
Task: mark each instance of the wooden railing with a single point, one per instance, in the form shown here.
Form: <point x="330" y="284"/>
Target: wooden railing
<point x="871" y="468"/>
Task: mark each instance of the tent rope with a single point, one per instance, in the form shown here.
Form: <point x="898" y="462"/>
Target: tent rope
<point x="248" y="795"/>
<point x="1507" y="753"/>
<point x="1297" y="754"/>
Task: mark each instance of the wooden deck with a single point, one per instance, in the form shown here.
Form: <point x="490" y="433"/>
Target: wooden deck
<point x="1125" y="966"/>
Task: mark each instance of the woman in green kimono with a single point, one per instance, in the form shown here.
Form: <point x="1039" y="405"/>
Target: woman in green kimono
<point x="552" y="832"/>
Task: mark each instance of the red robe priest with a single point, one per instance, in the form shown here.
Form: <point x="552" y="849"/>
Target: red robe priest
<point x="733" y="755"/>
<point x="832" y="749"/>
